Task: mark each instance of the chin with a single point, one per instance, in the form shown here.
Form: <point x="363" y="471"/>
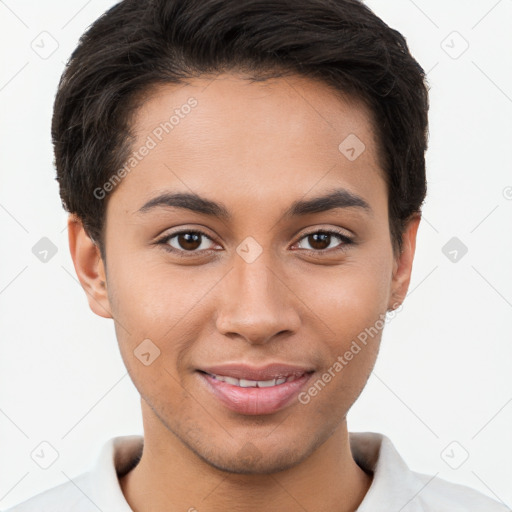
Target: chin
<point x="253" y="463"/>
<point x="253" y="458"/>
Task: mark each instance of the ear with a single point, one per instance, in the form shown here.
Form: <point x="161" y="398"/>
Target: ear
<point x="402" y="267"/>
<point x="89" y="267"/>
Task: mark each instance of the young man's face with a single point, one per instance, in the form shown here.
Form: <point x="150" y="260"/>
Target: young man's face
<point x="255" y="289"/>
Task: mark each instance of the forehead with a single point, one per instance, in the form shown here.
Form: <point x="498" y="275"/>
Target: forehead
<point x="227" y="135"/>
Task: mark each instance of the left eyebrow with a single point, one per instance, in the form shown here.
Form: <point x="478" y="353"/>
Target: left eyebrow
<point x="338" y="198"/>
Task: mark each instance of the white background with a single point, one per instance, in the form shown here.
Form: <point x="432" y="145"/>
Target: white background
<point x="443" y="373"/>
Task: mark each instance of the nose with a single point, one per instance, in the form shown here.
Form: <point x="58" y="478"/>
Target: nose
<point x="256" y="302"/>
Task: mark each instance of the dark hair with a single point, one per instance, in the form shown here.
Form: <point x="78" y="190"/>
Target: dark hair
<point x="137" y="44"/>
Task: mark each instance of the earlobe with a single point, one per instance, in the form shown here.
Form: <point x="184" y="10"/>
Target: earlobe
<point x="89" y="267"/>
<point x="402" y="268"/>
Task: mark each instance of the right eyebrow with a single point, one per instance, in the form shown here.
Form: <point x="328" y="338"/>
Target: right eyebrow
<point x="188" y="201"/>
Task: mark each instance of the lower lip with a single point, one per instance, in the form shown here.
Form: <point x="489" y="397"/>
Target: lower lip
<point x="255" y="400"/>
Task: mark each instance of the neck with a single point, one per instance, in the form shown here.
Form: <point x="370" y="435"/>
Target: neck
<point x="170" y="476"/>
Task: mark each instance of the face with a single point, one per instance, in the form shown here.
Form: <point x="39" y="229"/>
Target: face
<point x="269" y="274"/>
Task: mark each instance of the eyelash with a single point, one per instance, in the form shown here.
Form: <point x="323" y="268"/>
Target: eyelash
<point x="346" y="241"/>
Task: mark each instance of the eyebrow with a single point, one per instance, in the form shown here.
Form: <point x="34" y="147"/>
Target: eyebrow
<point x="338" y="198"/>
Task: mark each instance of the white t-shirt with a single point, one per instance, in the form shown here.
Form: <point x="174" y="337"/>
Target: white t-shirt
<point x="394" y="487"/>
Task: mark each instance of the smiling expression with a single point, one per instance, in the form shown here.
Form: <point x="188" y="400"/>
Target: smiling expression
<point x="245" y="236"/>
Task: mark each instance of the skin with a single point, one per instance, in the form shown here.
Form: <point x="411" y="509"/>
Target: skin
<point x="256" y="148"/>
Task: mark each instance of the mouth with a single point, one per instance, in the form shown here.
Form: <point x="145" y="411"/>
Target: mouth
<point x="246" y="383"/>
<point x="252" y="391"/>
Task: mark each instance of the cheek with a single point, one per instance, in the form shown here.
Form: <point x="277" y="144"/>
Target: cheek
<point x="351" y="303"/>
<point x="356" y="320"/>
<point x="152" y="297"/>
<point x="156" y="309"/>
<point x="348" y="297"/>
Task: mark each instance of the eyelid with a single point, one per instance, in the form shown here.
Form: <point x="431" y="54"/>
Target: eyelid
<point x="164" y="240"/>
<point x="346" y="240"/>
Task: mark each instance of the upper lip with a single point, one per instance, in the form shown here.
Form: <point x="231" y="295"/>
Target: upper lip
<point x="267" y="372"/>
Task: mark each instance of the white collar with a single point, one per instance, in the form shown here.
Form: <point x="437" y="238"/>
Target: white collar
<point x="372" y="451"/>
<point x="394" y="486"/>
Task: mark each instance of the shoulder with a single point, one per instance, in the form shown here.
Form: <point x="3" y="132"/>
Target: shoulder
<point x="438" y="494"/>
<point x="97" y="489"/>
<point x="70" y="496"/>
<point x="396" y="487"/>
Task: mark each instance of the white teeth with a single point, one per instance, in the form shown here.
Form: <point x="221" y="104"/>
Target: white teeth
<point x="266" y="383"/>
<point x="245" y="383"/>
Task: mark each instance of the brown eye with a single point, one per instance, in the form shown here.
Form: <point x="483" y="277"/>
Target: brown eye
<point x="187" y="241"/>
<point x="321" y="240"/>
